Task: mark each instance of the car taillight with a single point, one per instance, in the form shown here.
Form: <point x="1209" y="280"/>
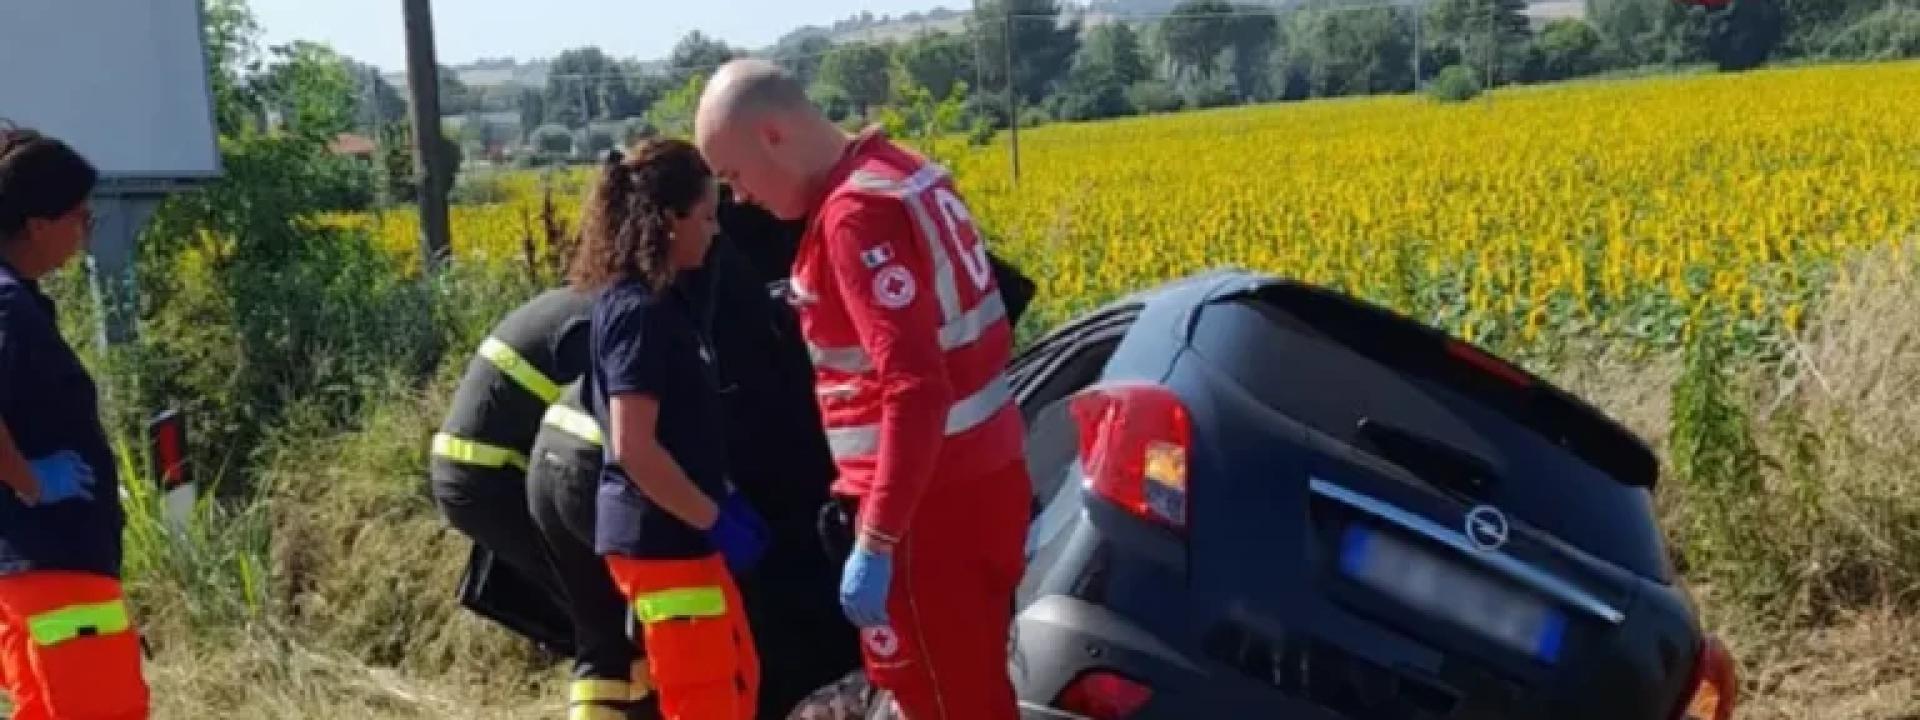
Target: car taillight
<point x="1134" y="440"/>
<point x="1715" y="684"/>
<point x="1103" y="695"/>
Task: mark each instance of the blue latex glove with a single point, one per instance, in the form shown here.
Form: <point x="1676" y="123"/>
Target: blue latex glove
<point x="740" y="535"/>
<point x="63" y="476"/>
<point x="863" y="587"/>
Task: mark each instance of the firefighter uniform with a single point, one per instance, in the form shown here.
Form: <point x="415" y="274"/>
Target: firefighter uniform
<point x="699" y="646"/>
<point x="910" y="340"/>
<point x="479" y="463"/>
<point x="68" y="645"/>
<point x="610" y="679"/>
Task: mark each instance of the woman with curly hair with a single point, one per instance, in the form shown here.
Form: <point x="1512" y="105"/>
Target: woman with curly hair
<point x="672" y="530"/>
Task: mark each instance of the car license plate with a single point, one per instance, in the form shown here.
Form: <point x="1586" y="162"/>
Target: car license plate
<point x="1450" y="591"/>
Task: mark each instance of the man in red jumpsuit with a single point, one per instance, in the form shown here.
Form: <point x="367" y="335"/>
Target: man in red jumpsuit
<point x="910" y="342"/>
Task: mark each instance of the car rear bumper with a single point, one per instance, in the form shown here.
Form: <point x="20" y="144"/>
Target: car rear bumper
<point x="1057" y="638"/>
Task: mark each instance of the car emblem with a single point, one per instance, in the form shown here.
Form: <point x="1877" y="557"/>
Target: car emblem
<point x="1487" y="528"/>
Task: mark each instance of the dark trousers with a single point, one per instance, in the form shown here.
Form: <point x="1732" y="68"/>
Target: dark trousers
<point x="560" y="494"/>
<point x="489" y="505"/>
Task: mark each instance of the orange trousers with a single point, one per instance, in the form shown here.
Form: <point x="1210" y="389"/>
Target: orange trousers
<point x="68" y="648"/>
<point x="699" y="647"/>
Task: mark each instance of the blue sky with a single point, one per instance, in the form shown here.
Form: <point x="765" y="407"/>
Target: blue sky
<point x="372" y="30"/>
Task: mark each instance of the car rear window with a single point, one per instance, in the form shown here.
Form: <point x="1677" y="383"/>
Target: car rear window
<point x="1467" y="423"/>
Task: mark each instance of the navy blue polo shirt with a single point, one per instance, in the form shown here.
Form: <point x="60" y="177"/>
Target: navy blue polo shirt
<point x="49" y="404"/>
<point x="652" y="344"/>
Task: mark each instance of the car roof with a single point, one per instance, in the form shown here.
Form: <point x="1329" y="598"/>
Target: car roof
<point x="1183" y="299"/>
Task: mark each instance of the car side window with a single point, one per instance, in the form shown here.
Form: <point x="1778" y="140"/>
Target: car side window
<point x="1052" y="443"/>
<point x="1053" y="437"/>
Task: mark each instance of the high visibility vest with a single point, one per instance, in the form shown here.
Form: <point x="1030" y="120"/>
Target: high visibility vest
<point x="974" y="335"/>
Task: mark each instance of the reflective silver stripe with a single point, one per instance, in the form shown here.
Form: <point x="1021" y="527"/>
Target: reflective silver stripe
<point x="844" y="359"/>
<point x="919" y="181"/>
<point x="853" y="441"/>
<point x="953" y="336"/>
<point x="968" y="413"/>
<point x="946" y="283"/>
<point x="967" y="328"/>
<point x="868" y="181"/>
<point x="980" y="406"/>
<point x="944" y="286"/>
<point x="800" y="293"/>
<point x="927" y="176"/>
<point x="837" y="392"/>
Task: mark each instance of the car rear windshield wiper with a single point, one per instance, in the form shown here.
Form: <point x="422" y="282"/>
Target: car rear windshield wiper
<point x="1430" y="458"/>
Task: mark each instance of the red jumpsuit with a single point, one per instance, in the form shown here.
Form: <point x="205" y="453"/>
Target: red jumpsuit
<point x="910" y="344"/>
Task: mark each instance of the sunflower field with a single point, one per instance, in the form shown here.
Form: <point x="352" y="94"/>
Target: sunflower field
<point x="1613" y="209"/>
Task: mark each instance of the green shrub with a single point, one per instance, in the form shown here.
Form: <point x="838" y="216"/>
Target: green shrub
<point x="479" y="188"/>
<point x="1454" y="84"/>
<point x="1201" y="95"/>
<point x="1153" y="96"/>
<point x="1033" y="117"/>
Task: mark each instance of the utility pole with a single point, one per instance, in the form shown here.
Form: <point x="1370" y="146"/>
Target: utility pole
<point x="430" y="171"/>
<point x="1417" y="6"/>
<point x="979" y="62"/>
<point x="1493" y="48"/>
<point x="1013" y="98"/>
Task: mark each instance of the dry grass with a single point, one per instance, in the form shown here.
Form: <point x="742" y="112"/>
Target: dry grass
<point x="361" y="619"/>
<point x="1839" y="505"/>
<point x="258" y="676"/>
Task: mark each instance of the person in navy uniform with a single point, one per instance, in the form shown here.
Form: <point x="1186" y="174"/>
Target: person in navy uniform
<point x="669" y="523"/>
<point x="68" y="646"/>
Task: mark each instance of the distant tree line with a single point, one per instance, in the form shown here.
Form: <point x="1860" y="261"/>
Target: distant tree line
<point x="1066" y="65"/>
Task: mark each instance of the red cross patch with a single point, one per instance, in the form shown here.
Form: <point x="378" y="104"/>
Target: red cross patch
<point x="893" y="287"/>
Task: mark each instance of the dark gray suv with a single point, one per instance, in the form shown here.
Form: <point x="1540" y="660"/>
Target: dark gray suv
<point x="1262" y="499"/>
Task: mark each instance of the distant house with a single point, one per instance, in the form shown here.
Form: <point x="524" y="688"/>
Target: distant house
<point x="353" y="145"/>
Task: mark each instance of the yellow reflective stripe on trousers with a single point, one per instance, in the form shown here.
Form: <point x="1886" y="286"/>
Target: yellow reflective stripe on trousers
<point x="57" y="626"/>
<point x="689" y="602"/>
<point x="597" y="690"/>
<point x="509" y="361"/>
<point x="575" y="423"/>
<point x="479" y="454"/>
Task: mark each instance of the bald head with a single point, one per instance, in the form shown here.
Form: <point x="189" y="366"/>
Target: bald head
<point x="744" y="90"/>
<point x="761" y="133"/>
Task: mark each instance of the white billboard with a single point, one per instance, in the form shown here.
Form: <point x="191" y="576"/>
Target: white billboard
<point x="123" y="81"/>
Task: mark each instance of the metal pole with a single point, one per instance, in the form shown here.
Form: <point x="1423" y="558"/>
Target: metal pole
<point x="1493" y="45"/>
<point x="1013" y="98"/>
<point x="979" y="62"/>
<point x="1417" y="19"/>
<point x="112" y="258"/>
<point x="423" y="80"/>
